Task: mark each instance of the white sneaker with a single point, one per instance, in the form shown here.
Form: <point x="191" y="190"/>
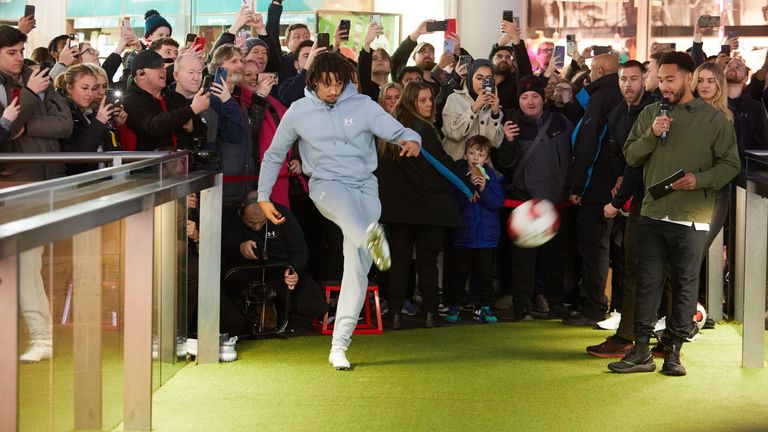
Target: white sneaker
<point x="192" y="347"/>
<point x="37" y="350"/>
<point x="377" y="246"/>
<point x="181" y="346"/>
<point x="338" y="358"/>
<point x="612" y="322"/>
<point x="227" y="351"/>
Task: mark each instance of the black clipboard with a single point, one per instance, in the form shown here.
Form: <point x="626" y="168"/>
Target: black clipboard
<point x="664" y="187"/>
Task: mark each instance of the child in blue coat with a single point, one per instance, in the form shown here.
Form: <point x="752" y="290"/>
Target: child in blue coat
<point x="474" y="243"/>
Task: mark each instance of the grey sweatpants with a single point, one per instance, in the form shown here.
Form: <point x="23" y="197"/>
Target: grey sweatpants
<point x="33" y="302"/>
<point x="352" y="209"/>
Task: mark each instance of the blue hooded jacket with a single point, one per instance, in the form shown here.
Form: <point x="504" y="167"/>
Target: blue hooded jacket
<point x="481" y="225"/>
<point x="336" y="142"/>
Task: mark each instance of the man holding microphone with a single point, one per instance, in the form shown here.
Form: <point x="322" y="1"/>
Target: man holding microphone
<point x="696" y="139"/>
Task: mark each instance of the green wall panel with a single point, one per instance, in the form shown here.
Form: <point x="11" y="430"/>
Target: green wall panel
<point x="165" y="7"/>
<point x="12" y="11"/>
<point x="292" y="5"/>
<point x="90" y="8"/>
<point x="220" y="6"/>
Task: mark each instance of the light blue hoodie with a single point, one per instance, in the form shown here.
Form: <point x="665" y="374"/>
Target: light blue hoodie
<point x="336" y="142"/>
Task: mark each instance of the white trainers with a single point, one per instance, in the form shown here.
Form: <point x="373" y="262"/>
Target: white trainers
<point x="612" y="322"/>
<point x="37" y="350"/>
<point x="227" y="351"/>
<point x="338" y="358"/>
<point x="377" y="246"/>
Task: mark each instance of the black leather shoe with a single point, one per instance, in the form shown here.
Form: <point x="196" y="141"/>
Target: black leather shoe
<point x="431" y="321"/>
<point x="395" y="324"/>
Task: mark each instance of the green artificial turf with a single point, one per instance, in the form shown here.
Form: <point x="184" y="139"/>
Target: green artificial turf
<point x="525" y="376"/>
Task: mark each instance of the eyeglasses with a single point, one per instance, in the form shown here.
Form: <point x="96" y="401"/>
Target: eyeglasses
<point x="563" y="89"/>
<point x="90" y="51"/>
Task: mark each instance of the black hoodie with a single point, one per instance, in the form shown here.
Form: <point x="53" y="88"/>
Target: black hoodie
<point x="593" y="177"/>
<point x="620" y="122"/>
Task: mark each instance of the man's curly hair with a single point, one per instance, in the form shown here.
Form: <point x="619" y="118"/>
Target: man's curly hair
<point x="326" y="65"/>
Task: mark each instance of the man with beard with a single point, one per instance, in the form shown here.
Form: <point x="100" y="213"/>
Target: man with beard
<point x="630" y="185"/>
<point x="698" y="139"/>
<point x="423" y="55"/>
<point x="156" y="114"/>
<point x="749" y="116"/>
<point x="593" y="179"/>
<point x="511" y="63"/>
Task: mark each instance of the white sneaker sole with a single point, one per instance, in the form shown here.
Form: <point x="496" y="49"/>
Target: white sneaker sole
<point x="339" y="361"/>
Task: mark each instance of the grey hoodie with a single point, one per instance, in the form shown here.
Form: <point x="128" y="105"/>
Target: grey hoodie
<point x="336" y="142"/>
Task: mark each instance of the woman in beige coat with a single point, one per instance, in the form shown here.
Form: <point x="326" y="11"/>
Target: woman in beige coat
<point x="473" y="110"/>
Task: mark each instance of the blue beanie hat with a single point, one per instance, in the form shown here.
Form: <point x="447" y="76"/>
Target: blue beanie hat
<point x="153" y="21"/>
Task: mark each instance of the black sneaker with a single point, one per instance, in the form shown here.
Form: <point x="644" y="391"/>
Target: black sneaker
<point x="672" y="365"/>
<point x="636" y="360"/>
<point x="661" y="348"/>
<point x="580" y="320"/>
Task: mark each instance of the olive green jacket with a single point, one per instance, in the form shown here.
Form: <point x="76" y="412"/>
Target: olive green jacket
<point x="701" y="141"/>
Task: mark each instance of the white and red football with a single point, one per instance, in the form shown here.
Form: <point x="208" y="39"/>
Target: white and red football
<point x="701" y="316"/>
<point x="534" y="223"/>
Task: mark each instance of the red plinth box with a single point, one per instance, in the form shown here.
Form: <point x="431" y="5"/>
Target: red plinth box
<point x="365" y="327"/>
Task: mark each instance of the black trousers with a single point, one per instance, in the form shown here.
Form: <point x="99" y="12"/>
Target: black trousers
<point x="719" y="214"/>
<point x="626" y="328"/>
<point x="618" y="233"/>
<point x="661" y="244"/>
<point x="550" y="258"/>
<point x="503" y="271"/>
<point x="428" y="241"/>
<point x="475" y="262"/>
<point x="594" y="233"/>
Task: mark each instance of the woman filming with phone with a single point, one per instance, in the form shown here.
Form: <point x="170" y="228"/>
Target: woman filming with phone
<point x="473" y="110"/>
<point x="93" y="128"/>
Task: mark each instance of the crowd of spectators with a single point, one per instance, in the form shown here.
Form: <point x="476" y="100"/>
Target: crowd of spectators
<point x="510" y="132"/>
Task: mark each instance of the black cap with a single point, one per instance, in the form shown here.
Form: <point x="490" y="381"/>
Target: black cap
<point x="147" y="60"/>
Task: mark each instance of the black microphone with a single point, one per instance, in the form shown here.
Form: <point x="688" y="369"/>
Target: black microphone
<point x="664" y="111"/>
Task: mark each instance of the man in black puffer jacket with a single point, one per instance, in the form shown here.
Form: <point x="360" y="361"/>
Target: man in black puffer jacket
<point x="593" y="179"/>
<point x="620" y="122"/>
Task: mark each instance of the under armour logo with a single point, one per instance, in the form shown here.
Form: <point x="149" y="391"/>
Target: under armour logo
<point x="271" y="234"/>
<point x="349" y="122"/>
